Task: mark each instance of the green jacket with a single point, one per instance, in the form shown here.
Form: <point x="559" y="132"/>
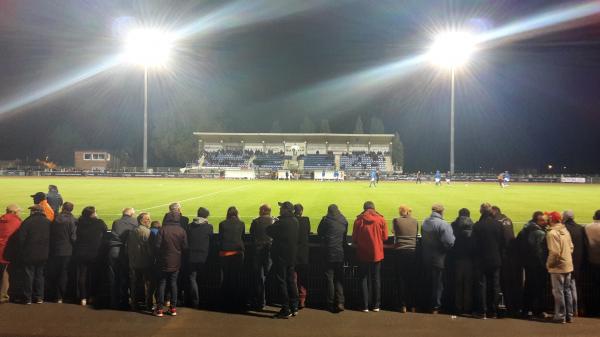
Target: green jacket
<point x="138" y="248"/>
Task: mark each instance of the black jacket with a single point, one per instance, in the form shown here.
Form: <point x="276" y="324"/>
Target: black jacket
<point x="333" y="232"/>
<point x="303" y="232"/>
<point x="578" y="237"/>
<point x="90" y="232"/>
<point x="120" y="230"/>
<point x="231" y="234"/>
<point x="33" y="239"/>
<point x="55" y="200"/>
<point x="533" y="250"/>
<point x="184" y="221"/>
<point x="488" y="236"/>
<point x="285" y="239"/>
<point x="258" y="232"/>
<point x="199" y="234"/>
<point x="170" y="243"/>
<point x="63" y="234"/>
<point x="464" y="245"/>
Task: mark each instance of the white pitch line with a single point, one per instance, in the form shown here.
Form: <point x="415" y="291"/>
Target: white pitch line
<point x="198" y="197"/>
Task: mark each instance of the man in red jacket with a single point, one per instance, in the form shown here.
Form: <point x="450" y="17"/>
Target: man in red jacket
<point x="369" y="233"/>
<point x="9" y="223"/>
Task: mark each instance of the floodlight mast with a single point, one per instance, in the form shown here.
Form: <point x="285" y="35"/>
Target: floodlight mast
<point x="452" y="50"/>
<point x="148" y="48"/>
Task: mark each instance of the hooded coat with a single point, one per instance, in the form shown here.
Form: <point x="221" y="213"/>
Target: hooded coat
<point x="33" y="239"/>
<point x="63" y="234"/>
<point x="90" y="233"/>
<point x="170" y="243"/>
<point x="199" y="233"/>
<point x="369" y="232"/>
<point x="437" y="240"/>
<point x="9" y="224"/>
<point x="333" y="230"/>
<point x="560" y="250"/>
<point x="285" y="239"/>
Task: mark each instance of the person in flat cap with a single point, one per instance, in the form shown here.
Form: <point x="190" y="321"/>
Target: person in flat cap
<point x="40" y="199"/>
<point x="284" y="249"/>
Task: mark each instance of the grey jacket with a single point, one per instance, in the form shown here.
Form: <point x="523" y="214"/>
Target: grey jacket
<point x="138" y="248"/>
<point x="437" y="240"/>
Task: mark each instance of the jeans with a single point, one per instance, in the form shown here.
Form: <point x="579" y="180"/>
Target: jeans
<point x="535" y="290"/>
<point x="334" y="273"/>
<point x="58" y="275"/>
<point x="140" y="277"/>
<point x="171" y="277"/>
<point x="195" y="269"/>
<point x="563" y="301"/>
<point x="370" y="278"/>
<point x="231" y="268"/>
<point x="301" y="276"/>
<point x="3" y="282"/>
<point x="261" y="266"/>
<point x="405" y="275"/>
<point x="574" y="295"/>
<point x="287" y="286"/>
<point x="488" y="290"/>
<point x="33" y="281"/>
<point x="118" y="277"/>
<point x="463" y="285"/>
<point x="85" y="279"/>
<point x="435" y="277"/>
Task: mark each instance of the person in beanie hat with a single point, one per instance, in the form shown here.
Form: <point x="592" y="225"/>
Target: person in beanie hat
<point x="560" y="267"/>
<point x="284" y="249"/>
<point x="368" y="234"/>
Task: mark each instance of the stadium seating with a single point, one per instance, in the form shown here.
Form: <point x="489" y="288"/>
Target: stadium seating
<point x="319" y="161"/>
<point x="224" y="158"/>
<point x="269" y="160"/>
<point x="362" y="161"/>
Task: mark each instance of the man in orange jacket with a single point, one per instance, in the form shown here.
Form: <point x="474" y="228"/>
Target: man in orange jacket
<point x="40" y="199"/>
<point x="369" y="233"/>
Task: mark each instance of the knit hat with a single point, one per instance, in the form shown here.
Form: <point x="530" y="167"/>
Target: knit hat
<point x="553" y="217"/>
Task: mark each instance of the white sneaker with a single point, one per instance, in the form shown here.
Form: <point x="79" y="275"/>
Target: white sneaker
<point x="83" y="302"/>
<point x="59" y="301"/>
<point x="376" y="310"/>
<point x="365" y="310"/>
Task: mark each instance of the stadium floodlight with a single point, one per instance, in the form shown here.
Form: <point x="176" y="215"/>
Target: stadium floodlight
<point x="451" y="50"/>
<point x="150" y="48"/>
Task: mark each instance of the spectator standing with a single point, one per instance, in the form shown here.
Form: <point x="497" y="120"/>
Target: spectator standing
<point x="169" y="244"/>
<point x="231" y="255"/>
<point x="175" y="209"/>
<point x="489" y="244"/>
<point x="285" y="246"/>
<point x="437" y="240"/>
<point x="592" y="233"/>
<point x="406" y="229"/>
<point x="140" y="263"/>
<point x="40" y="199"/>
<point x="577" y="233"/>
<point x="302" y="255"/>
<point x="261" y="265"/>
<point x="86" y="252"/>
<point x="199" y="234"/>
<point x="62" y="237"/>
<point x="511" y="275"/>
<point x="533" y="251"/>
<point x="368" y="235"/>
<point x="463" y="254"/>
<point x="54" y="198"/>
<point x="560" y="267"/>
<point x="332" y="230"/>
<point x="33" y="239"/>
<point x="9" y="224"/>
<point x="183" y="275"/>
<point x="118" y="262"/>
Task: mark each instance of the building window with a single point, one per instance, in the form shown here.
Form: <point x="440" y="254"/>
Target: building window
<point x="87" y="156"/>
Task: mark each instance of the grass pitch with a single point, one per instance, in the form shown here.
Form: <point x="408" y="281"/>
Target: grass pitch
<point x="111" y="195"/>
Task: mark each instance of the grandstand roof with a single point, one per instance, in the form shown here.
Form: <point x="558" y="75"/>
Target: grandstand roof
<point x="295" y="137"/>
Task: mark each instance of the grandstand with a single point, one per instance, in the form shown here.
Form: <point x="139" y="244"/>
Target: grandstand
<point x="300" y="152"/>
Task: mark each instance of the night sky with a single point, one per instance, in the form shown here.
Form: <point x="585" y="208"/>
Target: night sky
<point x="521" y="104"/>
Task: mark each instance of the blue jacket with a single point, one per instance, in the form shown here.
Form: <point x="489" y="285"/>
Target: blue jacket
<point x="437" y="240"/>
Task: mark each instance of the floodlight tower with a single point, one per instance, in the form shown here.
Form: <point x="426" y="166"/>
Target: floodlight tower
<point x="150" y="48"/>
<point x="451" y="50"/>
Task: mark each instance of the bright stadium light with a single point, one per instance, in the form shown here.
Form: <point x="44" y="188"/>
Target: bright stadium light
<point x="451" y="50"/>
<point x="150" y="48"/>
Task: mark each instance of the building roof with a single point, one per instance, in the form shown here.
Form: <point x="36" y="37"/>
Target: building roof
<point x="338" y="138"/>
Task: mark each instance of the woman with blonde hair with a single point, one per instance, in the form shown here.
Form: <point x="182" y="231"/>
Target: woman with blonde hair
<point x="406" y="229"/>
